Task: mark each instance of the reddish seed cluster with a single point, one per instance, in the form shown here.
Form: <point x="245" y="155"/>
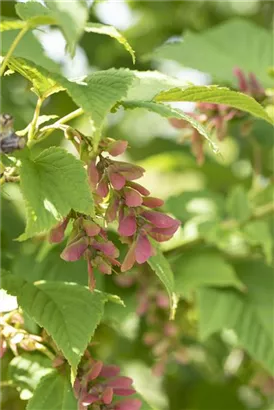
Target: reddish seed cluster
<point x="217" y="116"/>
<point x="97" y="387"/>
<point x="131" y="204"/>
<point x="118" y="198"/>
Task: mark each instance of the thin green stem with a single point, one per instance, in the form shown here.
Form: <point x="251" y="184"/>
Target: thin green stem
<point x="47" y="130"/>
<point x="33" y="124"/>
<point x="74" y="114"/>
<point x="12" y="48"/>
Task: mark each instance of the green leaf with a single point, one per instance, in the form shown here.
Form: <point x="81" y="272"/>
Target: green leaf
<point x="27" y="370"/>
<point x="218" y="95"/>
<point x="259" y="233"/>
<point x="238" y="205"/>
<point x="112" y="32"/>
<point x="28" y="48"/>
<point x="249" y="315"/>
<point x="54" y="392"/>
<point x="160" y="265"/>
<point x="168" y="112"/>
<point x="50" y="268"/>
<point x="71" y="16"/>
<point x="31" y="9"/>
<point x="203" y="268"/>
<point x="99" y="93"/>
<point x="6" y="25"/>
<point x="69" y="313"/>
<point x="147" y="84"/>
<point x="234" y="43"/>
<point x="43" y="85"/>
<point x="52" y="184"/>
<point x="34" y="13"/>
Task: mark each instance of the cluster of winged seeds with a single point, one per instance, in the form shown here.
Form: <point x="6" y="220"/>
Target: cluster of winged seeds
<point x="118" y="198"/>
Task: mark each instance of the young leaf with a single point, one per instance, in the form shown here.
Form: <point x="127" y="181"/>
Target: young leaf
<point x="215" y="94"/>
<point x="249" y="315"/>
<point x="70" y="313"/>
<point x="52" y="184"/>
<point x="27" y="370"/>
<point x="112" y="32"/>
<point x="160" y="265"/>
<point x="71" y="16"/>
<point x="168" y="112"/>
<point x="238" y="204"/>
<point x="200" y="269"/>
<point x="236" y="42"/>
<point x="7" y="25"/>
<point x="43" y="84"/>
<point x="54" y="392"/>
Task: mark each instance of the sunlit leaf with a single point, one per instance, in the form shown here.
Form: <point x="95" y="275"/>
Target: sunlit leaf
<point x="27" y="370"/>
<point x="70" y="313"/>
<point x="215" y="94"/>
<point x="53" y="392"/>
<point x="112" y="32"/>
<point x="7" y="25"/>
<point x="52" y="184"/>
<point x="43" y="85"/>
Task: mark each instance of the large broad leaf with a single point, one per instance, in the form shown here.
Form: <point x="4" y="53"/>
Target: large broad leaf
<point x="96" y="95"/>
<point x="33" y="268"/>
<point x="27" y="370"/>
<point x="52" y="184"/>
<point x="215" y="94"/>
<point x="160" y="265"/>
<point x="54" y="392"/>
<point x="43" y="84"/>
<point x="168" y="112"/>
<point x="28" y="48"/>
<point x="218" y="50"/>
<point x="203" y="268"/>
<point x="99" y="93"/>
<point x="70" y="313"/>
<point x="112" y="32"/>
<point x="249" y="315"/>
<point x="71" y="16"/>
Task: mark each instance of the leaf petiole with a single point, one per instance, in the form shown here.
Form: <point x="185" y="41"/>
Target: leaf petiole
<point x="32" y="128"/>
